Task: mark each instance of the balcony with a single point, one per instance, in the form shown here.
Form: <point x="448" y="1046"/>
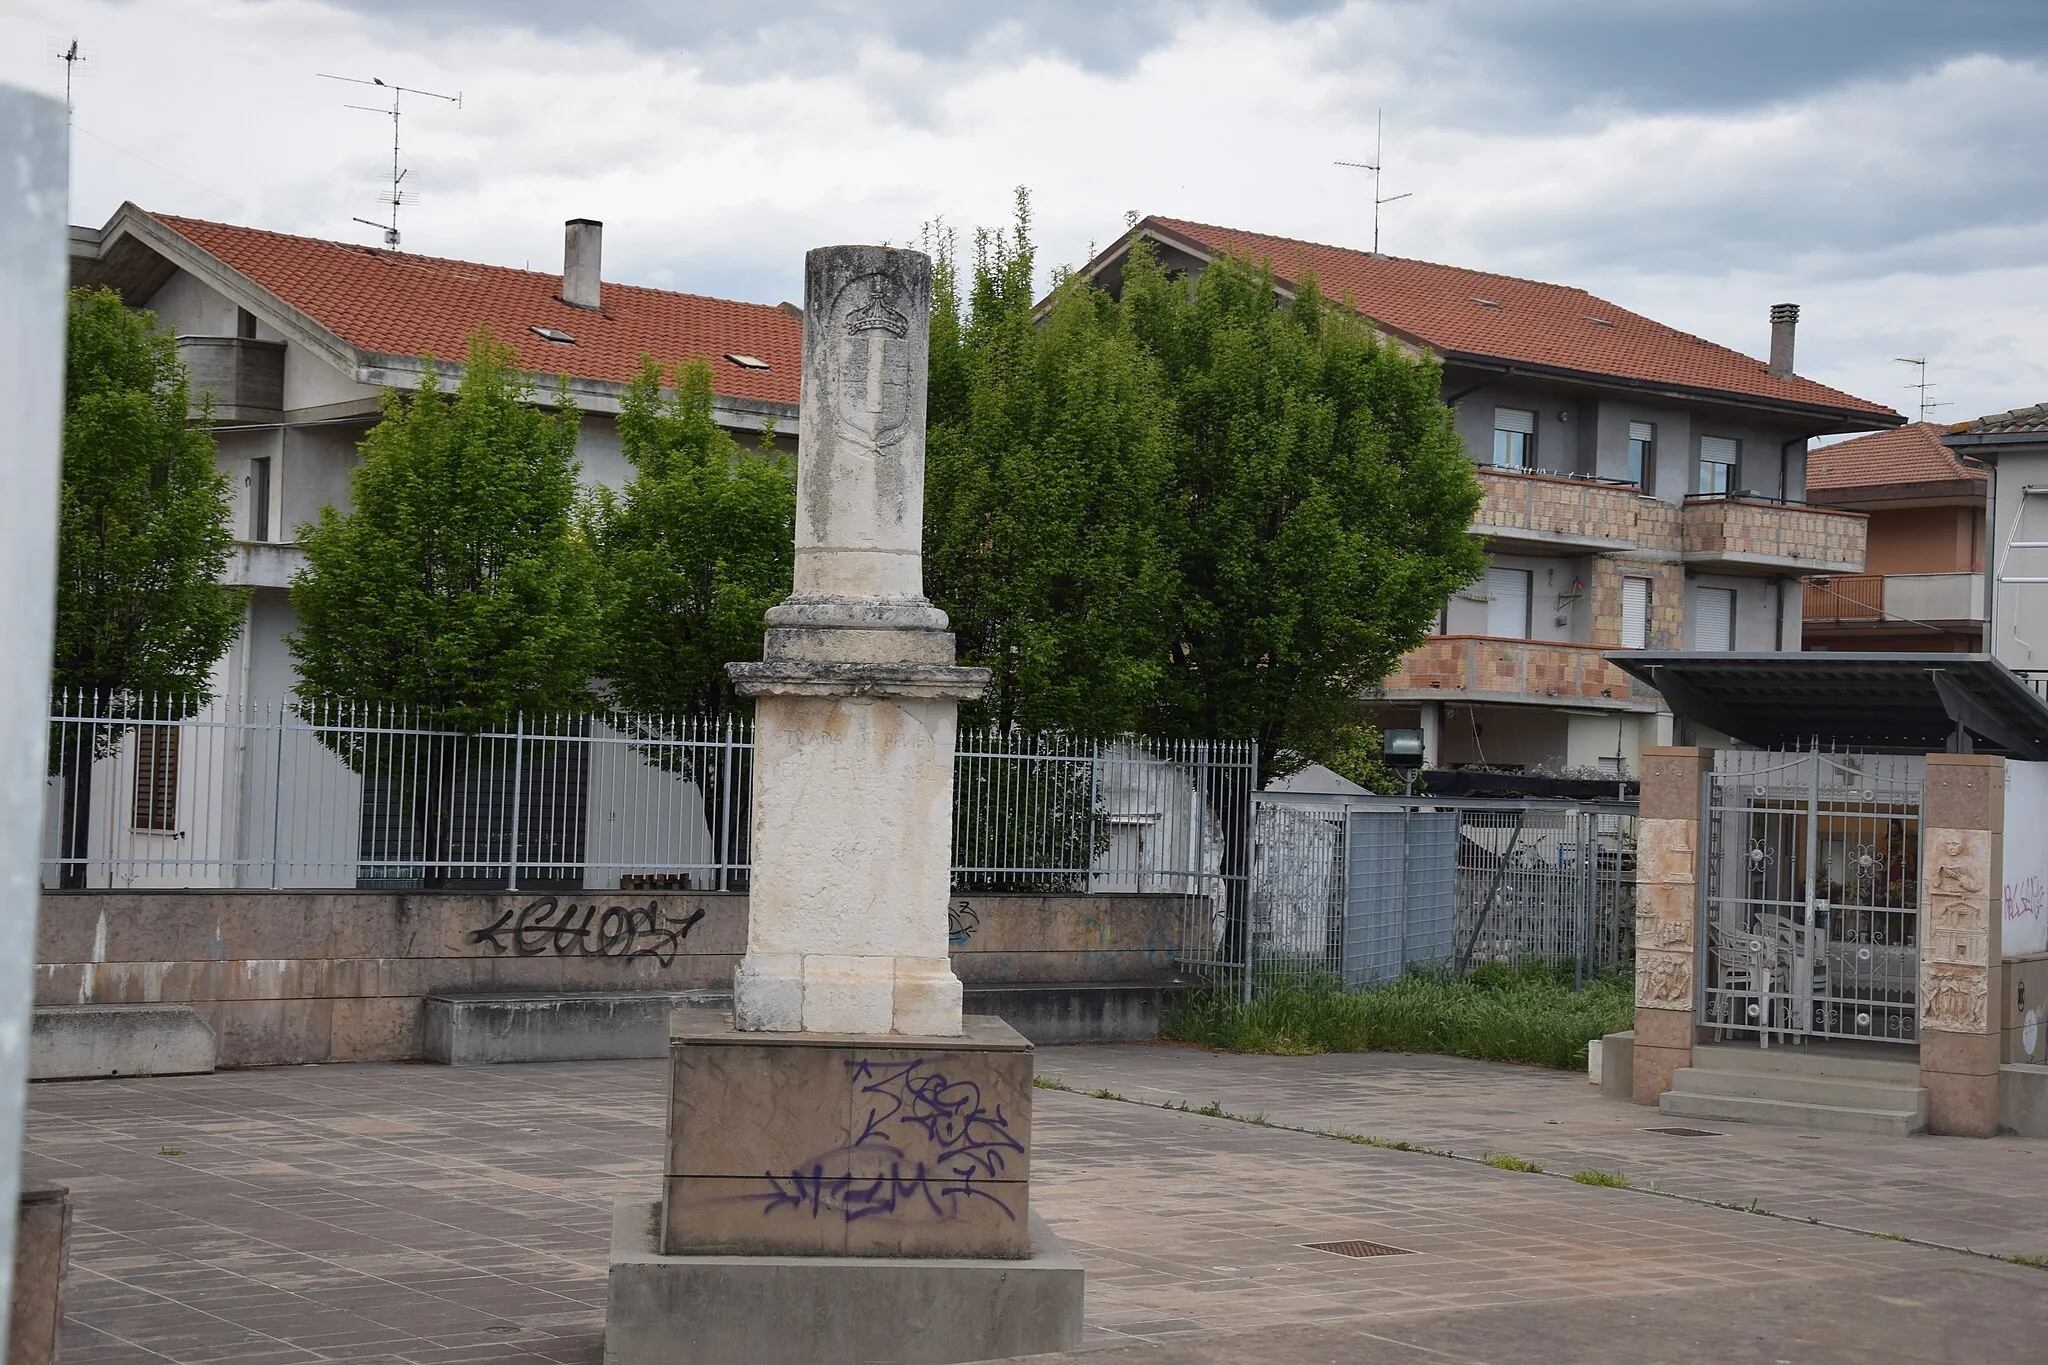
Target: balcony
<point x="245" y="377"/>
<point x="1561" y="510"/>
<point x="260" y="564"/>
<point x="1931" y="598"/>
<point x="1742" y="534"/>
<point x="1488" y="668"/>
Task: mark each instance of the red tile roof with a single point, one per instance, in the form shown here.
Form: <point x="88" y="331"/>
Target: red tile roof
<point x="1911" y="454"/>
<point x="401" y="304"/>
<point x="1499" y="317"/>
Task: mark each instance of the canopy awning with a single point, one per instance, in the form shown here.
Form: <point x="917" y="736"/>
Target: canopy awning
<point x="1905" y="703"/>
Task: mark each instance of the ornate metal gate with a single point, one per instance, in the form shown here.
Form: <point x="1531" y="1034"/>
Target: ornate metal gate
<point x="1811" y="921"/>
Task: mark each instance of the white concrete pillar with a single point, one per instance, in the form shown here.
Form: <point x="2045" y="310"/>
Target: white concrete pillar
<point x="857" y="695"/>
<point x="33" y="276"/>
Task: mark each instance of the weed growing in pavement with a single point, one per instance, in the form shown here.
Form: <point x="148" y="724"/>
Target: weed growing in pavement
<point x="1504" y="1014"/>
<point x="172" y="1151"/>
<point x="1501" y="1161"/>
<point x="1613" y="1180"/>
<point x="1211" y="1110"/>
<point x="1050" y="1083"/>
<point x="1104" y="1094"/>
<point x="2034" y="1262"/>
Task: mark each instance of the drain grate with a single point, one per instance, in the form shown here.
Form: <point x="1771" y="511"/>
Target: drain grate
<point x="1358" y="1248"/>
<point x="1684" y="1132"/>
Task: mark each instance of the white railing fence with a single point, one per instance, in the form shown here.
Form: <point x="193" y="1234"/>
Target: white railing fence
<point x="168" y="792"/>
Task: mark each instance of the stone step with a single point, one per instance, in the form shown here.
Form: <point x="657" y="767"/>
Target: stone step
<point x="590" y="1026"/>
<point x="1836" y="1061"/>
<point x="1825" y="1118"/>
<point x="1797" y="1088"/>
<point x="80" y="1042"/>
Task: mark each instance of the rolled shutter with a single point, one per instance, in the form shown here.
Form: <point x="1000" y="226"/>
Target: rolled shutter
<point x="1635" y="613"/>
<point x="1514" y="419"/>
<point x="1713" y="615"/>
<point x="1508" y="613"/>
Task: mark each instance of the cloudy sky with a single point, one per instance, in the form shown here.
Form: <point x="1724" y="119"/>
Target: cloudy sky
<point x="1877" y="161"/>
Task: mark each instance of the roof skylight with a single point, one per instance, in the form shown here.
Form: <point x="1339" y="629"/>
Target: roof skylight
<point x="1598" y="322"/>
<point x="1484" y="303"/>
<point x="555" y="334"/>
<point x="746" y="362"/>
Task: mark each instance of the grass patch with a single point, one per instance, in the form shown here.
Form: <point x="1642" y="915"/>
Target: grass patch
<point x="1613" y="1180"/>
<point x="1501" y="1161"/>
<point x="1527" y="1014"/>
<point x="1049" y="1083"/>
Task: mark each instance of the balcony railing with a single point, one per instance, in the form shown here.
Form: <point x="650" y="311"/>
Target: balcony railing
<point x="245" y="377"/>
<point x="1512" y="670"/>
<point x="1844" y="597"/>
<point x="1905" y="597"/>
<point x="1571" y="509"/>
<point x="1742" y="532"/>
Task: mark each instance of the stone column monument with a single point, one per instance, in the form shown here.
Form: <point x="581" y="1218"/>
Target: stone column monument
<point x="848" y="1169"/>
<point x="857" y="694"/>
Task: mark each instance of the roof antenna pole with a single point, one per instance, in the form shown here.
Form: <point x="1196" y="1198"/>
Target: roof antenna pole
<point x="398" y="92"/>
<point x="1379" y="122"/>
<point x="1927" y="404"/>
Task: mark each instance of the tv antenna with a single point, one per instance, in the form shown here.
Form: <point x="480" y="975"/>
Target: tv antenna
<point x="76" y="56"/>
<point x="398" y="194"/>
<point x="1379" y="121"/>
<point x="1927" y="404"/>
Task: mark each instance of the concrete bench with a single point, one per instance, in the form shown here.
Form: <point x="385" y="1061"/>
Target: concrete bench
<point x="594" y="1026"/>
<point x="82" y="1042"/>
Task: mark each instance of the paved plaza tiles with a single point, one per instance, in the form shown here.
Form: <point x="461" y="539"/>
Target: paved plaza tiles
<point x="427" y="1214"/>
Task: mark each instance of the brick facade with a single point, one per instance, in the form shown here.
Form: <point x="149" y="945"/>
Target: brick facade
<point x="1484" y="664"/>
<point x="1806" y="539"/>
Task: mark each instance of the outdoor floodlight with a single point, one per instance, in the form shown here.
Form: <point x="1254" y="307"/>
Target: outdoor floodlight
<point x="1401" y="748"/>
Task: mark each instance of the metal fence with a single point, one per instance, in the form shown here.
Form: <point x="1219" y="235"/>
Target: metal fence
<point x="167" y="792"/>
<point x="1362" y="889"/>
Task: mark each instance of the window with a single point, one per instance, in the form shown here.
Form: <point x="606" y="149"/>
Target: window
<point x="259" y="498"/>
<point x="1642" y="453"/>
<point x="1609" y="767"/>
<point x="156" y="777"/>
<point x="1718" y="457"/>
<point x="245" y="324"/>
<point x="1507" y="614"/>
<point x="1713" y="619"/>
<point x="1514" y="438"/>
<point x="1635" y="613"/>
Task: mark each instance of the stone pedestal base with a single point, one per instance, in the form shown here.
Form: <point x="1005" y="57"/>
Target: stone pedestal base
<point x="819" y="1144"/>
<point x="712" y="1310"/>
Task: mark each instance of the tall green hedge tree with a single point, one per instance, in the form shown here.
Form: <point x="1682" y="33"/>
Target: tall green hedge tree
<point x="143" y="538"/>
<point x="1048" y="456"/>
<point x="460" y="588"/>
<point x="1320" y="517"/>
<point x="693" y="552"/>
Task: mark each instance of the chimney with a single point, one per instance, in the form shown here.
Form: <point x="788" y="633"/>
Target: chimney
<point x="582" y="251"/>
<point x="1784" y="322"/>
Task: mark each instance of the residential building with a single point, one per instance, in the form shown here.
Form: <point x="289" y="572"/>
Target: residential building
<point x="2013" y="446"/>
<point x="1643" y="489"/>
<point x="297" y="339"/>
<point x="1922" y="588"/>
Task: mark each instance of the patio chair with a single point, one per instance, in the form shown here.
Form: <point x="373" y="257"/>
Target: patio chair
<point x="1744" y="966"/>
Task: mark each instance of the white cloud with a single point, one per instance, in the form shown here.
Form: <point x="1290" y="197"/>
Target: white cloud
<point x="1894" y="205"/>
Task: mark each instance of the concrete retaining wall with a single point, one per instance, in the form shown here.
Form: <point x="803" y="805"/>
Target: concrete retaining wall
<point x="292" y="977"/>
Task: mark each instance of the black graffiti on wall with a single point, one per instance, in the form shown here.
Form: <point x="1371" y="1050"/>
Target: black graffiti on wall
<point x="548" y="926"/>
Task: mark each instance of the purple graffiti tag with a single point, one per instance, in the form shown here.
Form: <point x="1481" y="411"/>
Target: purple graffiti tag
<point x="927" y="1146"/>
<point x="2024" y="899"/>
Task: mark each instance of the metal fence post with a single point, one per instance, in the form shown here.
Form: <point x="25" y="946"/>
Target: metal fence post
<point x="518" y="796"/>
<point x="277" y="804"/>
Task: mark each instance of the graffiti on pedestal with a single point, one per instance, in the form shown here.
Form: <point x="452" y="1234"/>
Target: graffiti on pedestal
<point x="549" y="926"/>
<point x="928" y="1147"/>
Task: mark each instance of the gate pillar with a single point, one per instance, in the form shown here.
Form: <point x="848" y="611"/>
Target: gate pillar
<point x="1962" y="881"/>
<point x="1668" y="836"/>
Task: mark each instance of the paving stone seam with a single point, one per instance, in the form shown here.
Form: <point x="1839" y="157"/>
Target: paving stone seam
<point x="1216" y="1111"/>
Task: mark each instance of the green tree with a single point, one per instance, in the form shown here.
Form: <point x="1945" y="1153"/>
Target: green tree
<point x="1047" y="458"/>
<point x="459" y="581"/>
<point x="1322" y="508"/>
<point x="143" y="538"/>
<point x="693" y="552"/>
<point x="1321" y="517"/>
<point x="458" y="586"/>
